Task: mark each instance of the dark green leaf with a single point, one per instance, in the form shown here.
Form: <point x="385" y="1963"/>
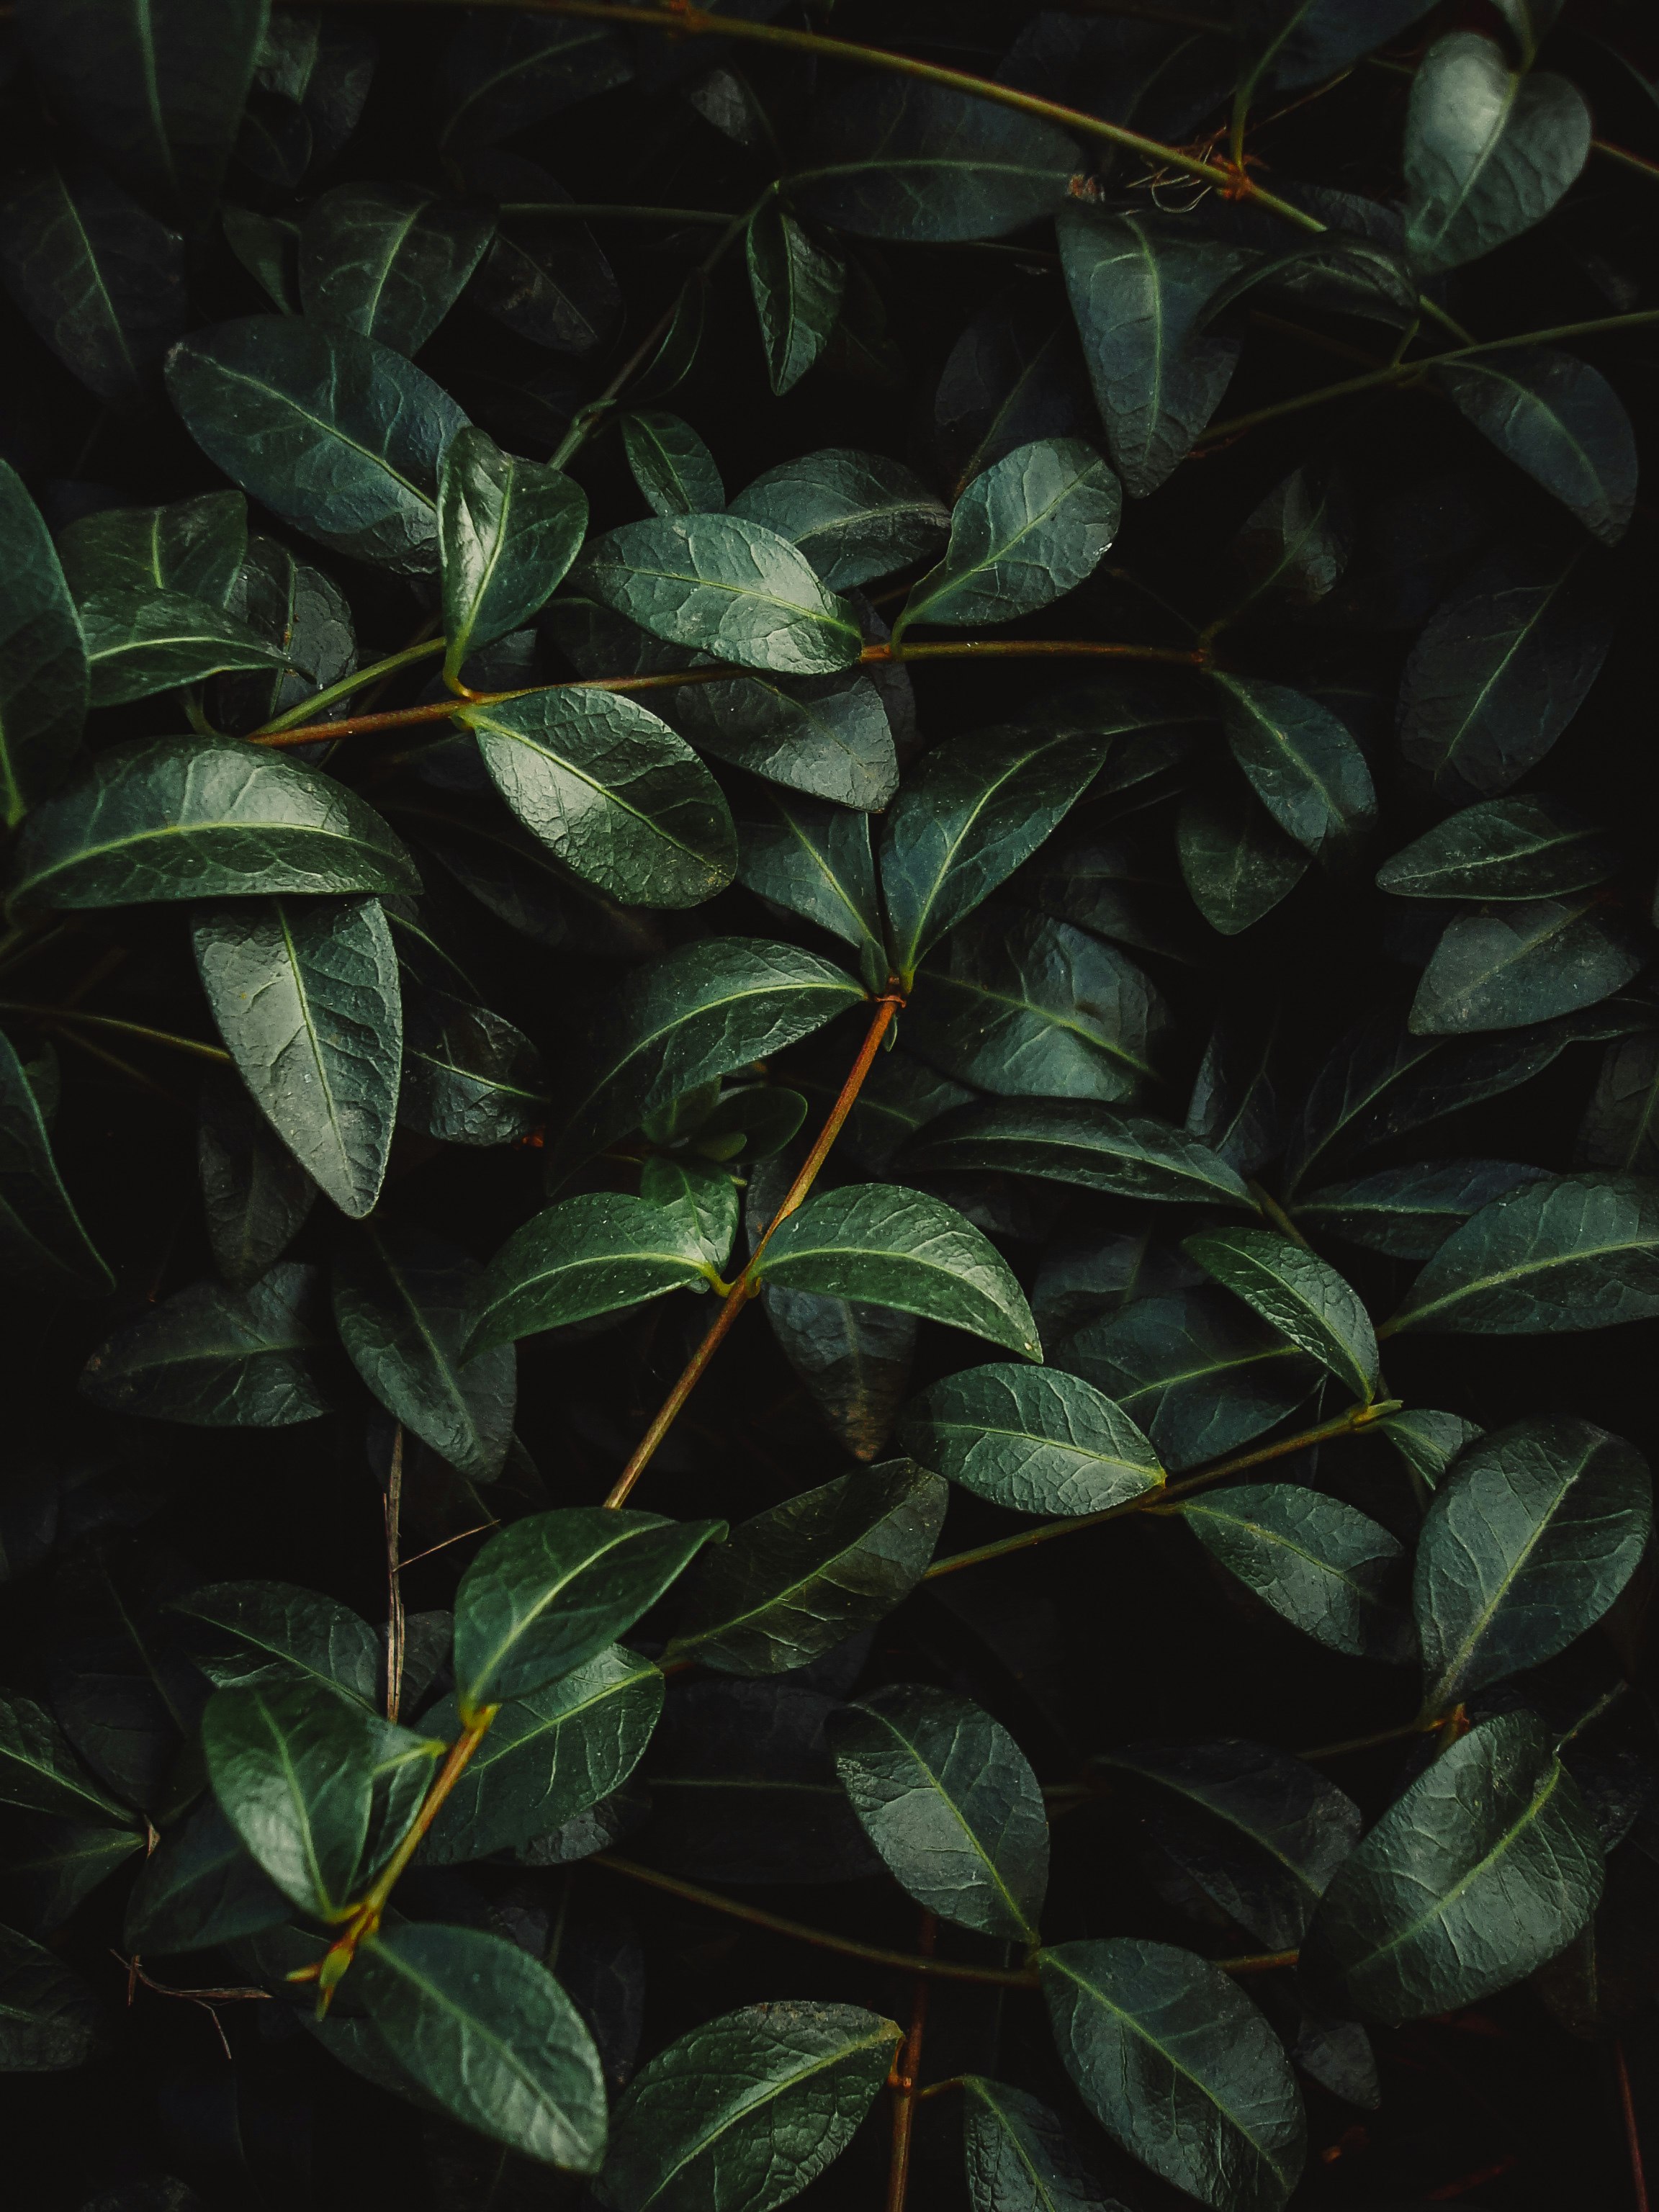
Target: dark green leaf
<point x="1527" y="1544"/>
<point x="1483" y="1869"/>
<point x="1237" y="862"/>
<point x="42" y="1242"/>
<point x="1293" y="548"/>
<point x="549" y="1593"/>
<point x="1428" y="1441"/>
<point x="1022" y="1006"/>
<point x="548" y="1756"/>
<point x="139" y="642"/>
<point x="1326" y="1568"/>
<point x="1018" y="2156"/>
<point x="948" y="1799"/>
<point x="304" y="614"/>
<point x="1488" y="153"/>
<point x="291" y="1768"/>
<point x="1297" y="42"/>
<point x="502" y="72"/>
<point x="281" y="1633"/>
<point x="335" y="432"/>
<point x="200" y="1887"/>
<point x="607" y="786"/>
<point x="43" y="658"/>
<point x="486" y="2030"/>
<point x="1037" y="1440"/>
<point x="39" y="1771"/>
<point x="1304" y="766"/>
<point x="917" y="161"/>
<point x="815" y="860"/>
<point x="217" y="1358"/>
<point x="584" y="1256"/>
<point x="404" y="1303"/>
<point x="704" y="1195"/>
<point x="1559" y="420"/>
<point x="1506" y="848"/>
<point x="254" y="1193"/>
<point x="1124" y="1155"/>
<point x="50" y="2019"/>
<point x="1139" y="285"/>
<point x="388" y="261"/>
<point x="854" y="1357"/>
<point x="825" y="735"/>
<point x="1620" y="1128"/>
<point x="856" y="516"/>
<point x="543" y="276"/>
<point x="1179" y="2067"/>
<point x="1027" y="530"/>
<point x="796" y="1581"/>
<point x="900" y="1248"/>
<point x="1571" y="1252"/>
<point x="470" y="1077"/>
<point x="1300" y="1297"/>
<point x="1526" y="963"/>
<point x="1409" y="1212"/>
<point x="672" y="467"/>
<point x="305" y="994"/>
<point x="507" y="530"/>
<point x="193" y="546"/>
<point x="192" y="818"/>
<point x="797" y="285"/>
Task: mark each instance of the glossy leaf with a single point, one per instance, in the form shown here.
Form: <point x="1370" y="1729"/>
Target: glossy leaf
<point x="584" y="1256"/>
<point x="388" y="261"/>
<point x="828" y="735"/>
<point x="1094" y="1147"/>
<point x="797" y="285"/>
<point x="201" y="1887"/>
<point x="139" y="643"/>
<point x="1018" y="2156"/>
<point x="306" y="996"/>
<point x="543" y="275"/>
<point x="280" y="1633"/>
<point x="1037" y="1440"/>
<point x="43" y="658"/>
<point x="1174" y="2060"/>
<point x="255" y="1194"/>
<point x="1409" y="1212"/>
<point x="903" y="1249"/>
<point x="193" y="546"/>
<point x="190" y="817"/>
<point x="1559" y="420"/>
<point x="1527" y="963"/>
<point x="1488" y="153"/>
<point x="702" y="1193"/>
<point x="50" y="2018"/>
<point x="1028" y="530"/>
<point x="507" y="530"/>
<point x="1322" y="1566"/>
<point x="1302" y="762"/>
<point x="404" y="1303"/>
<point x="1297" y="42"/>
<point x="486" y="2030"/>
<point x="1294" y="546"/>
<point x="798" y="1580"/>
<point x="1507" y="848"/>
<point x="43" y="1244"/>
<point x="503" y="72"/>
<point x="335" y="432"/>
<point x="217" y="1358"/>
<point x="815" y="859"/>
<point x="674" y="470"/>
<point x="39" y="1771"/>
<point x="1484" y="1867"/>
<point x="856" y="516"/>
<point x="1528" y="1542"/>
<point x="293" y="1770"/>
<point x="1571" y="1252"/>
<point x="1299" y="1295"/>
<point x="1237" y="862"/>
<point x="302" y="613"/>
<point x="550" y="1592"/>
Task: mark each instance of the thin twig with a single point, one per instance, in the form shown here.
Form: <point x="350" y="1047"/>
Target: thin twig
<point x="395" y="1622"/>
<point x="1627" y="2106"/>
<point x="459" y="1538"/>
<point x="907" y="2067"/>
<point x="193" y="1046"/>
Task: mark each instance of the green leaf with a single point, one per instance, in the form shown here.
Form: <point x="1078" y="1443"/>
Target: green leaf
<point x="544" y="276"/>
<point x="306" y="996"/>
<point x="1484" y="1867"/>
<point x="705" y="1196"/>
<point x="157" y="88"/>
<point x="1502" y="666"/>
<point x="1559" y="420"/>
<point x="700" y="1011"/>
<point x="255" y="1194"/>
<point x="43" y="658"/>
<point x="1488" y="152"/>
<point x="1299" y="1295"/>
<point x="140" y="642"/>
<point x="1304" y="766"/>
<point x="291" y="1768"/>
<point x="746" y="2110"/>
<point x="887" y="158"/>
<point x="1322" y="1565"/>
<point x="1028" y="530"/>
<point x="825" y="735"/>
<point x="1094" y="1147"/>
<point x="485" y="2029"/>
<point x="1524" y="963"/>
<point x="281" y="1633"/>
<point x="1507" y="848"/>
<point x="1237" y="861"/>
<point x="1409" y="1212"/>
<point x="1294" y="546"/>
<point x="672" y="467"/>
<point x="217" y="1358"/>
<point x="43" y="1245"/>
<point x="1178" y="2065"/>
<point x="193" y="817"/>
<point x="1620" y="1128"/>
<point x="1261" y="1833"/>
<point x="337" y="434"/>
<point x="903" y="1249"/>
<point x="974" y="810"/>
<point x="549" y="1593"/>
<point x="50" y="2019"/>
<point x="853" y="1357"/>
<point x="96" y="276"/>
<point x="1527" y="1544"/>
<point x="584" y="1256"/>
<point x="304" y="614"/>
<point x="199" y="1887"/>
<point x="1572" y="1252"/>
<point x="947" y="1797"/>
<point x="815" y="860"/>
<point x="797" y="286"/>
<point x="1022" y="1006"/>
<point x="39" y="1771"/>
<point x="796" y="1581"/>
<point x="507" y="530"/>
<point x="404" y="1303"/>
<point x="194" y="546"/>
<point x="502" y="72"/>
<point x="610" y="789"/>
<point x="1428" y="1441"/>
<point x="1018" y="2156"/>
<point x="388" y="261"/>
<point x="729" y="587"/>
<point x="1297" y="42"/>
<point x="470" y="1077"/>
<point x="1139" y="285"/>
<point x="856" y="516"/>
<point x="1033" y="1439"/>
<point x="548" y="1756"/>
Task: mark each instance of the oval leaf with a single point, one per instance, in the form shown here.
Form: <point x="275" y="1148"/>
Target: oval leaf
<point x="1035" y="1440"/>
<point x="1027" y="530"/>
<point x="584" y="1256"/>
<point x="1302" y="1297"/>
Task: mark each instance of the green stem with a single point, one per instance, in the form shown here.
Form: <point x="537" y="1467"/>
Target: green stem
<point x="1270" y="1210"/>
<point x="197" y="1050"/>
<point x="1158" y="1500"/>
<point x="1417" y="1725"/>
<point x="604" y="211"/>
<point x="1626" y="159"/>
<point x="427" y="650"/>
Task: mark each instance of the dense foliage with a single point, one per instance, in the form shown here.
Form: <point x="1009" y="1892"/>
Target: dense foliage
<point x="973" y="675"/>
